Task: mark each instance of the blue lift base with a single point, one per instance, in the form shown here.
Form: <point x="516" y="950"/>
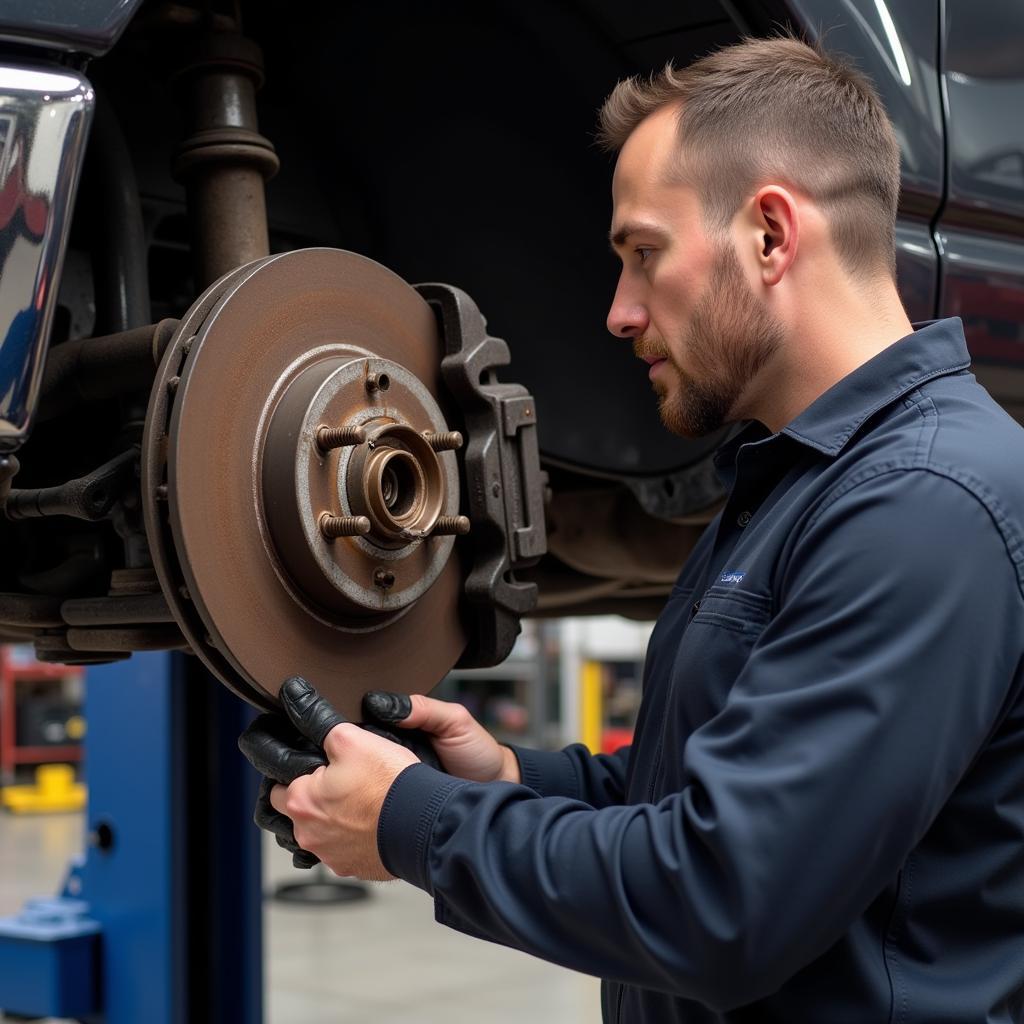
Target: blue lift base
<point x="161" y="920"/>
<point x="50" y="959"/>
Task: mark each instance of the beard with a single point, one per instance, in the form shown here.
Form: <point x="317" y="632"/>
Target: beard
<point x="730" y="338"/>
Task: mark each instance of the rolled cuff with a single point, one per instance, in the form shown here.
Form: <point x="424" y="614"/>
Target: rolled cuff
<point x="548" y="772"/>
<point x="407" y="819"/>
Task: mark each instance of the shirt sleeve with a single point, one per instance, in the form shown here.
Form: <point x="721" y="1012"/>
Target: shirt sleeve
<point x="893" y="654"/>
<point x="597" y="779"/>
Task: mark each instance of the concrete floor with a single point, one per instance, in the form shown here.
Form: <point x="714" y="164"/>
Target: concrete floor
<point x="383" y="960"/>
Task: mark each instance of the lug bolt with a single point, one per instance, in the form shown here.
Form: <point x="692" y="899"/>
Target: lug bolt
<point x="339" y="437"/>
<point x="449" y="441"/>
<point x="447" y="525"/>
<point x="383" y="578"/>
<point x="377" y="382"/>
<point x="343" y="526"/>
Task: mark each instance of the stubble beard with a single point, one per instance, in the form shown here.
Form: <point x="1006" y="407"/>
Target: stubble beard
<point x="731" y="337"/>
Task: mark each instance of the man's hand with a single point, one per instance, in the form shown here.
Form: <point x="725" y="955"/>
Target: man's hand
<point x="294" y="750"/>
<point x="280" y="753"/>
<point x="466" y="749"/>
<point x="336" y="809"/>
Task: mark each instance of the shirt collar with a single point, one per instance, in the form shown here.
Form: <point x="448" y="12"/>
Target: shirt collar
<point x="936" y="348"/>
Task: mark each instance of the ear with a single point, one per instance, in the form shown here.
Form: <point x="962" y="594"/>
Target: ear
<point x="776" y="225"/>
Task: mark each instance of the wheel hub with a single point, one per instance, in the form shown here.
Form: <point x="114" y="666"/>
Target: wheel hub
<point x="353" y="490"/>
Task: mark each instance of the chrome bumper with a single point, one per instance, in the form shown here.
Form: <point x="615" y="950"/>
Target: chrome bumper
<point x="44" y="120"/>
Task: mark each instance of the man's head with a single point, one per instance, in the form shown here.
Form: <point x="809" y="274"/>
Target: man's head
<point x="724" y="168"/>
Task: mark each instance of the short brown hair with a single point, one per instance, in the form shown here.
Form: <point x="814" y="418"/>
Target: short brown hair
<point x="777" y="109"/>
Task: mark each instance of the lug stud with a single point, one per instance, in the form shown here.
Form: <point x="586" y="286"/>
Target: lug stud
<point x="343" y="526"/>
<point x="339" y="437"/>
<point x="449" y="441"/>
<point x="447" y="525"/>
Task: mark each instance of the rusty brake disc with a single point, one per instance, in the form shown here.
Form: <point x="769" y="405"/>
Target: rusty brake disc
<point x="300" y="484"/>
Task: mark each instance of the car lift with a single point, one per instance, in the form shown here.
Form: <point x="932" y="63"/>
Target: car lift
<point x="160" y="920"/>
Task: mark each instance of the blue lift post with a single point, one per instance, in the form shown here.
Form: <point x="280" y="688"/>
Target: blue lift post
<point x="160" y="921"/>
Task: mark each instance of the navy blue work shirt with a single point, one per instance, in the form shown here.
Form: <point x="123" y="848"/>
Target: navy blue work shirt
<point x="821" y="817"/>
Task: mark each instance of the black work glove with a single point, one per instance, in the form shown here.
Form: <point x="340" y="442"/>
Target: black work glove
<point x="281" y="826"/>
<point x="283" y="748"/>
<point x="382" y="710"/>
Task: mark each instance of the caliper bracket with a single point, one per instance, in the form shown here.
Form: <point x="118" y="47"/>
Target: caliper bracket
<point x="502" y="479"/>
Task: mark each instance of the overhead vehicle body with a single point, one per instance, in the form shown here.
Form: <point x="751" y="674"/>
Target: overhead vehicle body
<point x="141" y="372"/>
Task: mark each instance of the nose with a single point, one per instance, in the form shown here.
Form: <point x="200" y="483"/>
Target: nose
<point x="627" y="317"/>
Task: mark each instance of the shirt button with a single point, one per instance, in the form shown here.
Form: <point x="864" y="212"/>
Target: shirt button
<point x="744" y="518"/>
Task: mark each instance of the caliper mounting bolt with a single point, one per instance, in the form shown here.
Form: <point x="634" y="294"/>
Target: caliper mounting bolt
<point x="343" y="526"/>
<point x="339" y="437"/>
<point x="448" y="441"/>
<point x="447" y="525"/>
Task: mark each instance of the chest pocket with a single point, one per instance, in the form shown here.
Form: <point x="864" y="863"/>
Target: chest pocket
<point x="741" y="611"/>
<point x="716" y="644"/>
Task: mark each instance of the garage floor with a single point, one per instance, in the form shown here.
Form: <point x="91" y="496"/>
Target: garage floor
<point x="383" y="961"/>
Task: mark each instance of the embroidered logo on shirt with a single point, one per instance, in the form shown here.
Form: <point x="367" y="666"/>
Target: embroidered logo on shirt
<point x="732" y="576"/>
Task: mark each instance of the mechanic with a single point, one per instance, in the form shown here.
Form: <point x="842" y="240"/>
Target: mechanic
<point x="821" y="817"/>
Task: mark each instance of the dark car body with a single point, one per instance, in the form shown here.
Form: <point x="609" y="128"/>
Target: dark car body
<point x="454" y="142"/>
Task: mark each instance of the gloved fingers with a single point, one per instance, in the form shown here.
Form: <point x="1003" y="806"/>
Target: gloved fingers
<point x="386" y="707"/>
<point x="275" y="749"/>
<point x="391" y="709"/>
<point x="412" y="739"/>
<point x="310" y="713"/>
<point x="304" y="859"/>
<point x="300" y="858"/>
<point x="281" y="826"/>
<point x="271" y="820"/>
<point x="379" y="730"/>
<point x="422" y="746"/>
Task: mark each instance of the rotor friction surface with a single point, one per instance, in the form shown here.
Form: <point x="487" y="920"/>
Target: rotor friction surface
<point x="267" y="326"/>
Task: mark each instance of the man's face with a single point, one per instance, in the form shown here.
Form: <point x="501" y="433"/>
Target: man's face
<point x="682" y="296"/>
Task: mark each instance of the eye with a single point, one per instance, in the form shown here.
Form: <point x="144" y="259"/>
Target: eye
<point x="643" y="252"/>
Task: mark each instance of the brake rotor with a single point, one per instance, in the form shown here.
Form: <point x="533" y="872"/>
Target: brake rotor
<point x="302" y="490"/>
